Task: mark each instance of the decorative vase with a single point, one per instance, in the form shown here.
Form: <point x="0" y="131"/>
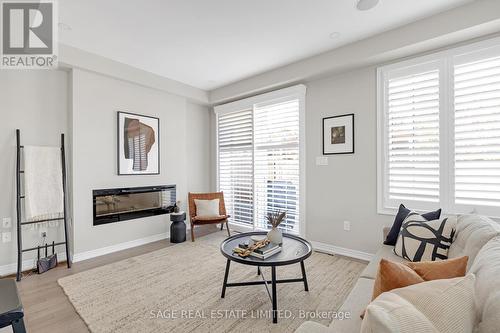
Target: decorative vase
<point x="176" y="208"/>
<point x="275" y="236"/>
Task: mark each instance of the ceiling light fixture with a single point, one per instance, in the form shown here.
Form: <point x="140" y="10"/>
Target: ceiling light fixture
<point x="366" y="4"/>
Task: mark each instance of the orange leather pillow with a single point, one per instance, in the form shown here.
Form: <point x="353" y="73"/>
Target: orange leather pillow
<point x="444" y="269"/>
<point x="392" y="275"/>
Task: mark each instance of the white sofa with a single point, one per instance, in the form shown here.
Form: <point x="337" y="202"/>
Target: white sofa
<point x="477" y="237"/>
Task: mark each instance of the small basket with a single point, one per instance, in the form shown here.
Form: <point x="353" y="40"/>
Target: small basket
<point x="47" y="263"/>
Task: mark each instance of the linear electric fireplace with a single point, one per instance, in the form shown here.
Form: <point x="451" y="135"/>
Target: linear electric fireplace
<point x="121" y="204"/>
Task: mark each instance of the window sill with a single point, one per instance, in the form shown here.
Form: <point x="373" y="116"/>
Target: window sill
<point x="394" y="211"/>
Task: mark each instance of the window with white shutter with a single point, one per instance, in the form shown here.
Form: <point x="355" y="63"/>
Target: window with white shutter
<point x="235" y="147"/>
<point x="276" y="142"/>
<point x="477" y="131"/>
<point x="413" y="137"/>
<point x="439" y="131"/>
<point x="260" y="158"/>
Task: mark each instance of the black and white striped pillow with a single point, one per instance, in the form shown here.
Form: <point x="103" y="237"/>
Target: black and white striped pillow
<point x="422" y="240"/>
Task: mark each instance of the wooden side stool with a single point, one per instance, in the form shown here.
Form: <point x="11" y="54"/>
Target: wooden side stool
<point x="11" y="308"/>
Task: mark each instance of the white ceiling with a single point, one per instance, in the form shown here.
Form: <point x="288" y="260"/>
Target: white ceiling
<point x="211" y="43"/>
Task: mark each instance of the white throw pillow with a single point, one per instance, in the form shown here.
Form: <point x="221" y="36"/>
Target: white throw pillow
<point x="422" y="240"/>
<point x="444" y="306"/>
<point x="207" y="208"/>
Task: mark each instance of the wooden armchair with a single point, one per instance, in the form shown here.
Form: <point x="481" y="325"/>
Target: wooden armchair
<point x="195" y="220"/>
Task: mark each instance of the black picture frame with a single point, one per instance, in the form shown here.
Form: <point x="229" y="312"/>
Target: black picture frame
<point x="119" y="134"/>
<point x="349" y="117"/>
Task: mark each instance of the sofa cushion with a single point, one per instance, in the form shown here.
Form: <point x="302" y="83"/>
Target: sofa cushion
<point x="422" y="240"/>
<point x="472" y="233"/>
<point x="392" y="235"/>
<point x="490" y="320"/>
<point x="355" y="304"/>
<point x="486" y="267"/>
<point x="443" y="269"/>
<point x="442" y="306"/>
<point x="385" y="252"/>
<point x="393" y="275"/>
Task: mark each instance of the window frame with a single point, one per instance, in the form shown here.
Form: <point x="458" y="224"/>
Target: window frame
<point x="298" y="92"/>
<point x="445" y="60"/>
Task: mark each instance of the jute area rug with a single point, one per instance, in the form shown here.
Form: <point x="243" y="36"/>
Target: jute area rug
<point x="177" y="289"/>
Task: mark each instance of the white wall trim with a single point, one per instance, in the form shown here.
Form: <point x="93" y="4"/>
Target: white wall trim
<point x="118" y="247"/>
<point x="248" y="103"/>
<point x="332" y="249"/>
<point x="71" y="57"/>
<point x="27" y="264"/>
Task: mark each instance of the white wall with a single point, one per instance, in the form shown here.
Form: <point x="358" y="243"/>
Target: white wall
<point x="199" y="132"/>
<point x="184" y="147"/>
<point x="346" y="189"/>
<point x="36" y="103"/>
<point x="83" y="104"/>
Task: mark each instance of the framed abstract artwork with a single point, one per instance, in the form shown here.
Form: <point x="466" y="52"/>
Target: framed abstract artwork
<point x="138" y="144"/>
<point x="338" y="135"/>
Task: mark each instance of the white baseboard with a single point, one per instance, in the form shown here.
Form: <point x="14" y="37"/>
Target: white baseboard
<point x="331" y="249"/>
<point x="27" y="264"/>
<point x="118" y="247"/>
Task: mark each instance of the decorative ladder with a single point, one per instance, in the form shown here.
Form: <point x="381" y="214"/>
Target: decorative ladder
<point x="20" y="196"/>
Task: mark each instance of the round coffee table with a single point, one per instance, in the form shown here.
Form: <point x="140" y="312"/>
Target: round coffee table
<point x="294" y="250"/>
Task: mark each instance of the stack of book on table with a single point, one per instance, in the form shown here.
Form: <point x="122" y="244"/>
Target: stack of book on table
<point x="264" y="252"/>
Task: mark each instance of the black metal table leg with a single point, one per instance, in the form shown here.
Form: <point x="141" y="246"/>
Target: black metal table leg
<point x="275" y="299"/>
<point x="300" y="250"/>
<point x="18" y="326"/>
<point x="226" y="274"/>
<point x="304" y="276"/>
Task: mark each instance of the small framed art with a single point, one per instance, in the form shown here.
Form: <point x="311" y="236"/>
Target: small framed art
<point x="338" y="135"/>
<point x="138" y="144"/>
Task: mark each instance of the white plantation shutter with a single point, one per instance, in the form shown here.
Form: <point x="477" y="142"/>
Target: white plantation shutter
<point x="260" y="155"/>
<point x="276" y="154"/>
<point x="235" y="147"/>
<point x="439" y="132"/>
<point x="477" y="132"/>
<point x="412" y="138"/>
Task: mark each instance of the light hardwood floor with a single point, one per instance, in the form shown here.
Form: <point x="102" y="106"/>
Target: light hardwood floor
<point x="46" y="307"/>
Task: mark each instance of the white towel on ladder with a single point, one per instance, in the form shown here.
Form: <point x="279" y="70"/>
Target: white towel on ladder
<point x="43" y="183"/>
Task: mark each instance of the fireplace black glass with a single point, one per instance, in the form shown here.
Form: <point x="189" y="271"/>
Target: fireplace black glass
<point x="121" y="204"/>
